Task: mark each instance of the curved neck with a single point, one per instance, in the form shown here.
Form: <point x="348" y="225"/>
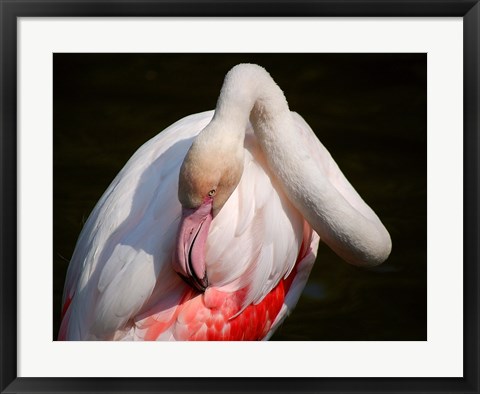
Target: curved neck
<point x="325" y="198"/>
<point x="248" y="90"/>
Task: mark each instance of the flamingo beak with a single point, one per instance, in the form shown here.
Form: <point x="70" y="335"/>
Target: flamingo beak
<point x="191" y="240"/>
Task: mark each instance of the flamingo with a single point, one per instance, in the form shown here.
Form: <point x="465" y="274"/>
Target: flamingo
<point x="211" y="229"/>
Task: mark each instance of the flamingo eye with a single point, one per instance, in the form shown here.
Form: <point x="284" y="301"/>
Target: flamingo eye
<point x="212" y="192"/>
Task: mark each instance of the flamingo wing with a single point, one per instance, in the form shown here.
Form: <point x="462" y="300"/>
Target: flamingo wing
<point x="127" y="240"/>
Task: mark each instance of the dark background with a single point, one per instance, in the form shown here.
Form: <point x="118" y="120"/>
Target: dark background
<point x="369" y="110"/>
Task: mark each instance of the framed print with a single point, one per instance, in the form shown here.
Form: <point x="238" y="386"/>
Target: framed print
<point x="390" y="89"/>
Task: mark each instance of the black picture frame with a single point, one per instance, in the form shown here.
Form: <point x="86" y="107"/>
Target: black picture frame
<point x="469" y="10"/>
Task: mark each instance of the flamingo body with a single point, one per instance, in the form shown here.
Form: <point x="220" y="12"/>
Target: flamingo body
<point x="112" y="291"/>
<point x="211" y="229"/>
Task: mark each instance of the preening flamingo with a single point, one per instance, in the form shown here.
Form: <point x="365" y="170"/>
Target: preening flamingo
<point x="211" y="229"/>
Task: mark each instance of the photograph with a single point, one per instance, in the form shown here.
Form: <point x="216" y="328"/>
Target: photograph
<point x="239" y="196"/>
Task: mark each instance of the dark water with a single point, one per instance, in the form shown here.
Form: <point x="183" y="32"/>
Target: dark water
<point x="369" y="110"/>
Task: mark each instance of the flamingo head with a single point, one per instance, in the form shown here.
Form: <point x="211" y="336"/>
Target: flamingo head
<point x="208" y="176"/>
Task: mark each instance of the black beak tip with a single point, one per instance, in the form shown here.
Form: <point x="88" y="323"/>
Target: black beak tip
<point x="195" y="282"/>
